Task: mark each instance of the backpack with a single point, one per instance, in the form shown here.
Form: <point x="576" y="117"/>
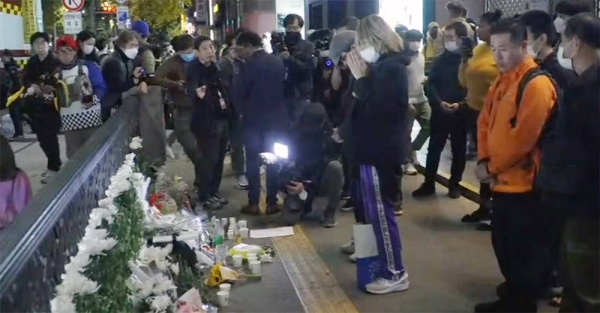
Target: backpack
<point x="66" y="94"/>
<point x="529" y="76"/>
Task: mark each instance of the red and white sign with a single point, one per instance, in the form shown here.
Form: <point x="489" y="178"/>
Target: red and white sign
<point x="73" y="5"/>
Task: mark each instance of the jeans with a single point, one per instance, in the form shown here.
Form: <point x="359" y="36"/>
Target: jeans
<point x="258" y="140"/>
<point x="187" y="140"/>
<point x="423" y="116"/>
<point x="212" y="147"/>
<point x="236" y="145"/>
<point x="15" y="115"/>
<point x="444" y="126"/>
<point x="47" y="126"/>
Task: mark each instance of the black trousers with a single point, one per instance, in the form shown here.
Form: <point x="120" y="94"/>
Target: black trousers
<point x="444" y="126"/>
<point x="212" y="146"/>
<point x="46" y="125"/>
<point x="520" y="242"/>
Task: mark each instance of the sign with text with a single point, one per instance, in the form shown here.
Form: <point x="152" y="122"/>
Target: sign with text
<point x="73" y="5"/>
<point x="73" y="23"/>
<point x="201" y="12"/>
<point x="123" y="19"/>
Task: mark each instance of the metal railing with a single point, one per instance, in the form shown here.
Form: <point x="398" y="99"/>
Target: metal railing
<point x="35" y="249"/>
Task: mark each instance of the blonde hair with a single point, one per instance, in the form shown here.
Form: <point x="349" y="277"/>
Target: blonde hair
<point x="374" y="31"/>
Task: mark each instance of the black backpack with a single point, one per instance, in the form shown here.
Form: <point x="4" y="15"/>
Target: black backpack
<point x="529" y="76"/>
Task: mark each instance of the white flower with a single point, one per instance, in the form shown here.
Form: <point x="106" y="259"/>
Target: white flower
<point x="136" y="143"/>
<point x="162" y="284"/>
<point x="62" y="304"/>
<point x="76" y="283"/>
<point x="161" y="303"/>
<point x="103" y="203"/>
<point x="174" y="268"/>
<point x="149" y="254"/>
<point x="130" y="157"/>
<point x="77" y="263"/>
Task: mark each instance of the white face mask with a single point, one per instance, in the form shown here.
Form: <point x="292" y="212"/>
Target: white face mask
<point x="369" y="55"/>
<point x="564" y="62"/>
<point x="87" y="49"/>
<point x="559" y="24"/>
<point x="451" y="46"/>
<point x="131" y="53"/>
<point x="414" y="46"/>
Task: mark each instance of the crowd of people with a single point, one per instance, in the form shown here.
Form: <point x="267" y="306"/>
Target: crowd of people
<point x="519" y="94"/>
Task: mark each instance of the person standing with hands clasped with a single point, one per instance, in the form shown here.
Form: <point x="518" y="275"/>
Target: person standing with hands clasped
<point x="209" y="121"/>
<point x="379" y="122"/>
<point x="448" y="114"/>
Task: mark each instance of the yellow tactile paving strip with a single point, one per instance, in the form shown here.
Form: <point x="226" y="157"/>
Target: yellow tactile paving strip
<point x="316" y="286"/>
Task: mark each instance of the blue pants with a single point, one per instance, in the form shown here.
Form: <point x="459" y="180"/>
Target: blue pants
<point x="258" y="141"/>
<point x="376" y="191"/>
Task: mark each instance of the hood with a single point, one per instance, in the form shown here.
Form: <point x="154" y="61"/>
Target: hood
<point x="432" y="25"/>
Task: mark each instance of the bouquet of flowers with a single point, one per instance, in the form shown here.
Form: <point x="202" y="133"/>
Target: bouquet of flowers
<point x="164" y="203"/>
<point x="175" y="187"/>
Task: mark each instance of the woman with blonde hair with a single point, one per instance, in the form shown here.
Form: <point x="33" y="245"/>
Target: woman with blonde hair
<point x="379" y="122"/>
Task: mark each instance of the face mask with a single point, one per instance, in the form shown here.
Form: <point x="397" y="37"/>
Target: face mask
<point x="42" y="49"/>
<point x="87" y="49"/>
<point x="131" y="53"/>
<point x="369" y="55"/>
<point x="451" y="46"/>
<point x="532" y="51"/>
<point x="564" y="62"/>
<point x="188" y="57"/>
<point x="414" y="46"/>
<point x="559" y="24"/>
<point x="292" y="37"/>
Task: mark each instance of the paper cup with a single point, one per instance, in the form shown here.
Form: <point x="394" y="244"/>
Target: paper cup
<point x="252" y="259"/>
<point x="224" y="287"/>
<point x="237" y="260"/>
<point x="223" y="298"/>
<point x="243" y="224"/>
<point x="224" y="221"/>
<point x="244" y="232"/>
<point x="255" y="267"/>
<point x="250" y="255"/>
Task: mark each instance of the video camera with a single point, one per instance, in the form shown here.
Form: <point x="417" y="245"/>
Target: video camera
<point x="278" y="42"/>
<point x="286" y="167"/>
<point x="322" y="40"/>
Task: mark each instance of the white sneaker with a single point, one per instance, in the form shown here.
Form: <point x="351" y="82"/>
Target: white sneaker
<point x="348" y="248"/>
<point x="170" y="153"/>
<point x="48" y="175"/>
<point x="352" y="258"/>
<point x="242" y="182"/>
<point x="410" y="169"/>
<point x="382" y="286"/>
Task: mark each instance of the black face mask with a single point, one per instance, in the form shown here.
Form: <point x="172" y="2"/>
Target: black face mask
<point x="292" y="37"/>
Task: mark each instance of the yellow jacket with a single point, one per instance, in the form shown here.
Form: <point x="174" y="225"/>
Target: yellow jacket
<point x="478" y="75"/>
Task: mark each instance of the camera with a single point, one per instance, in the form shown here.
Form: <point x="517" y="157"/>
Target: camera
<point x="278" y="42"/>
<point x="286" y="167"/>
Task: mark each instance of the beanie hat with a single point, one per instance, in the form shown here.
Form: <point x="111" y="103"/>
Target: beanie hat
<point x="340" y="43"/>
<point x="413" y="35"/>
<point x="39" y="35"/>
<point x="141" y="28"/>
<point x="67" y="41"/>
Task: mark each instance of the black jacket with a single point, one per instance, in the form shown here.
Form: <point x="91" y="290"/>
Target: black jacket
<point x="379" y="117"/>
<point x="443" y="84"/>
<point x="258" y="92"/>
<point x="299" y="69"/>
<point x="570" y="170"/>
<point x="560" y="75"/>
<point x="117" y="70"/>
<point x="208" y="109"/>
<point x="36" y="68"/>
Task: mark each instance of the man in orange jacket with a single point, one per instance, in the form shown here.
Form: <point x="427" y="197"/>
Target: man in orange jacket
<point x="508" y="154"/>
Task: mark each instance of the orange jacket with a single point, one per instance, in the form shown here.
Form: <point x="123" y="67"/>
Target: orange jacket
<point x="512" y="153"/>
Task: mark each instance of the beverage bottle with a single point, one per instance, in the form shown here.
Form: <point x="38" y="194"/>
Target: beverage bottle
<point x="218" y="235"/>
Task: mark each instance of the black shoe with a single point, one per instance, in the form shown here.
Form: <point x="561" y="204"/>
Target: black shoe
<point x="502" y="290"/>
<point x="503" y="306"/>
<point x="485" y="225"/>
<point x="219" y="199"/>
<point x="425" y="190"/>
<point x="477" y="216"/>
<point x="348" y="206"/>
<point x="345" y="195"/>
<point x="212" y="204"/>
<point x="454" y="191"/>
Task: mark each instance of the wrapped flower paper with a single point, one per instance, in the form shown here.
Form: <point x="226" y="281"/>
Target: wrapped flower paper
<point x="164" y="203"/>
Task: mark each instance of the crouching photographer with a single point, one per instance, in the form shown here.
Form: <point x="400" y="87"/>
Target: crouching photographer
<point x="315" y="170"/>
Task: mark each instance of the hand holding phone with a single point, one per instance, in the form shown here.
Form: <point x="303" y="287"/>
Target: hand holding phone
<point x="467" y="47"/>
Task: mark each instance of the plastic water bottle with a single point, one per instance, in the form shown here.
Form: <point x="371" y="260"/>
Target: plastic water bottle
<point x="7" y="128"/>
<point x="218" y="235"/>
